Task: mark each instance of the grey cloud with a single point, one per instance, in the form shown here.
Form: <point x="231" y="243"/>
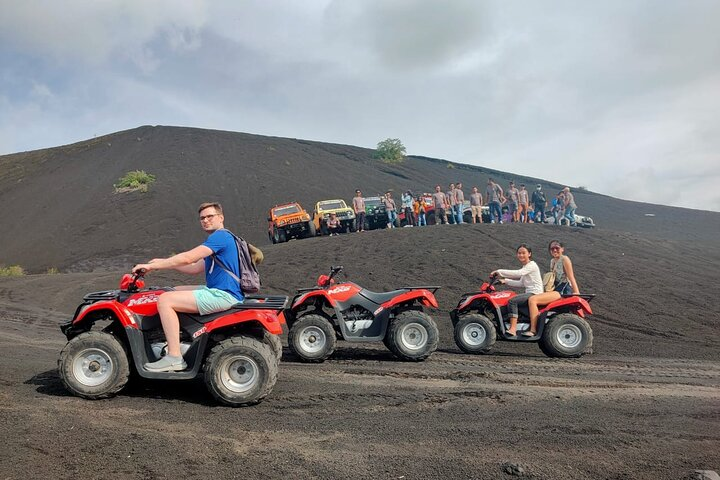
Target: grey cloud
<point x="409" y="34"/>
<point x="584" y="93"/>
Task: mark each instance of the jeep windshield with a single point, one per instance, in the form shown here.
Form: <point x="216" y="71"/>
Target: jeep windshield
<point x="289" y="210"/>
<point x="332" y="205"/>
<point x="373" y="202"/>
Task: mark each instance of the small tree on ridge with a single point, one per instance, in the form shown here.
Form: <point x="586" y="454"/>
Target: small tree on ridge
<point x="390" y="150"/>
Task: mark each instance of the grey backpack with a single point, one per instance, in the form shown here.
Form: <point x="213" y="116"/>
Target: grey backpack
<point x="249" y="277"/>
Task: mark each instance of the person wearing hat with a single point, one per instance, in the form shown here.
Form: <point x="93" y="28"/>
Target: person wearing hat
<point x="539" y="202"/>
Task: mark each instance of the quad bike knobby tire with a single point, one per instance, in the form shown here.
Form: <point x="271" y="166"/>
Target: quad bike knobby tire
<point x="412" y="335"/>
<point x="241" y="371"/>
<point x="474" y="333"/>
<point x="312" y="338"/>
<point x="94" y="365"/>
<point x="274" y="342"/>
<point x="566" y="336"/>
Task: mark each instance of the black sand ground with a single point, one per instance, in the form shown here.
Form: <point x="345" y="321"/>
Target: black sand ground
<point x="643" y="405"/>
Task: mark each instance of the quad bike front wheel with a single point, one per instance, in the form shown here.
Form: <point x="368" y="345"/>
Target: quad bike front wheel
<point x="94" y="365"/>
<point x="474" y="333"/>
<point x="241" y="371"/>
<point x="412" y="335"/>
<point x="566" y="336"/>
<point x="312" y="338"/>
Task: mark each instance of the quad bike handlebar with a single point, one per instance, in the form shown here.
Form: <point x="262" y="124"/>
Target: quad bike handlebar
<point x="132" y="282"/>
<point x="334" y="270"/>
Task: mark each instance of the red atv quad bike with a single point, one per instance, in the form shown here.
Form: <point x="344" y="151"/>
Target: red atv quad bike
<point x="116" y="331"/>
<point x="318" y="316"/>
<point x="480" y="318"/>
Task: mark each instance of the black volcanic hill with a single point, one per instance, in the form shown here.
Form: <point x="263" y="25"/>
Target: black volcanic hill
<point x="60" y="209"/>
<point x="656" y="277"/>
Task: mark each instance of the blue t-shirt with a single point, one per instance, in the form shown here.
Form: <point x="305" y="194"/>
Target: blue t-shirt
<point x="222" y="243"/>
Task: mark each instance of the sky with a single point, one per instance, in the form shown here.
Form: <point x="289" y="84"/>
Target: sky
<point x="621" y="97"/>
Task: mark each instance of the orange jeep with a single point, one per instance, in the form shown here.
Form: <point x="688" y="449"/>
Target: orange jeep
<point x="288" y="221"/>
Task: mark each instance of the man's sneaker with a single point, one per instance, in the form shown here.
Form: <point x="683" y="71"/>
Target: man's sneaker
<point x="167" y="364"/>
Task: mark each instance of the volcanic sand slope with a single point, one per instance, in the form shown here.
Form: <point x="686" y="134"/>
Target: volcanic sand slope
<point x="60" y="209"/>
<point x="643" y="405"/>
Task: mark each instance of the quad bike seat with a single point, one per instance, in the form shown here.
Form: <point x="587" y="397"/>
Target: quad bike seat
<point x="383" y="297"/>
<point x="252" y="302"/>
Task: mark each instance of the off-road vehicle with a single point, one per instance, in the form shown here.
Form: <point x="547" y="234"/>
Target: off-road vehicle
<point x="375" y="213"/>
<point x="324" y="208"/>
<point x="319" y="315"/>
<point x="116" y="332"/>
<point x="481" y="317"/>
<point x="288" y="221"/>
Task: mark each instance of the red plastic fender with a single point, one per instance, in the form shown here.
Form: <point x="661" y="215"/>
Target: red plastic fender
<point x="581" y="306"/>
<point x="268" y="319"/>
<point x="505" y="295"/>
<point x="425" y="296"/>
<point x="123" y="314"/>
<point x="305" y="296"/>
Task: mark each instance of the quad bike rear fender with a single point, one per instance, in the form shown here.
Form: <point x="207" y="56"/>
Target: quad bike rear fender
<point x="577" y="305"/>
<point x="425" y="297"/>
<point x="267" y="318"/>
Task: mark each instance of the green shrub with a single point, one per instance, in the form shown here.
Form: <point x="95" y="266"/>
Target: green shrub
<point x="135" y="180"/>
<point x="450" y="165"/>
<point x="12" y="271"/>
<point x="52" y="271"/>
<point x="390" y="150"/>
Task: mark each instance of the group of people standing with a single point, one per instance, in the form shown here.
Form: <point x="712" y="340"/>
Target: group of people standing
<point x="524" y="207"/>
<point x="447" y="206"/>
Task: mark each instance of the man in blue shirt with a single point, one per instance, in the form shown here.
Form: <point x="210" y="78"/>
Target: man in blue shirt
<point x="220" y="293"/>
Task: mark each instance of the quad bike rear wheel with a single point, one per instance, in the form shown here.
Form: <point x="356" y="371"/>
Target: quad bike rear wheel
<point x="412" y="335"/>
<point x="475" y="333"/>
<point x="566" y="336"/>
<point x="241" y="371"/>
<point x="94" y="365"/>
<point x="312" y="338"/>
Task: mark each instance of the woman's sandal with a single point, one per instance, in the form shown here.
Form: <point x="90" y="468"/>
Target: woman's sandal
<point x="528" y="333"/>
<point x="510" y="334"/>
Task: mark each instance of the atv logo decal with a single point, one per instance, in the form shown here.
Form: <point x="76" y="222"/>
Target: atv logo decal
<point x="339" y="289"/>
<point x="376" y="312"/>
<point x="199" y="332"/>
<point x="152" y="298"/>
<point x="501" y="294"/>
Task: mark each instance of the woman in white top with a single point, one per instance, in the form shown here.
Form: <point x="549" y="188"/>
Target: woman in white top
<point x="528" y="276"/>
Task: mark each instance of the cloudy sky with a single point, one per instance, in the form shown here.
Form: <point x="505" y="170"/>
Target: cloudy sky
<point x="619" y="96"/>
